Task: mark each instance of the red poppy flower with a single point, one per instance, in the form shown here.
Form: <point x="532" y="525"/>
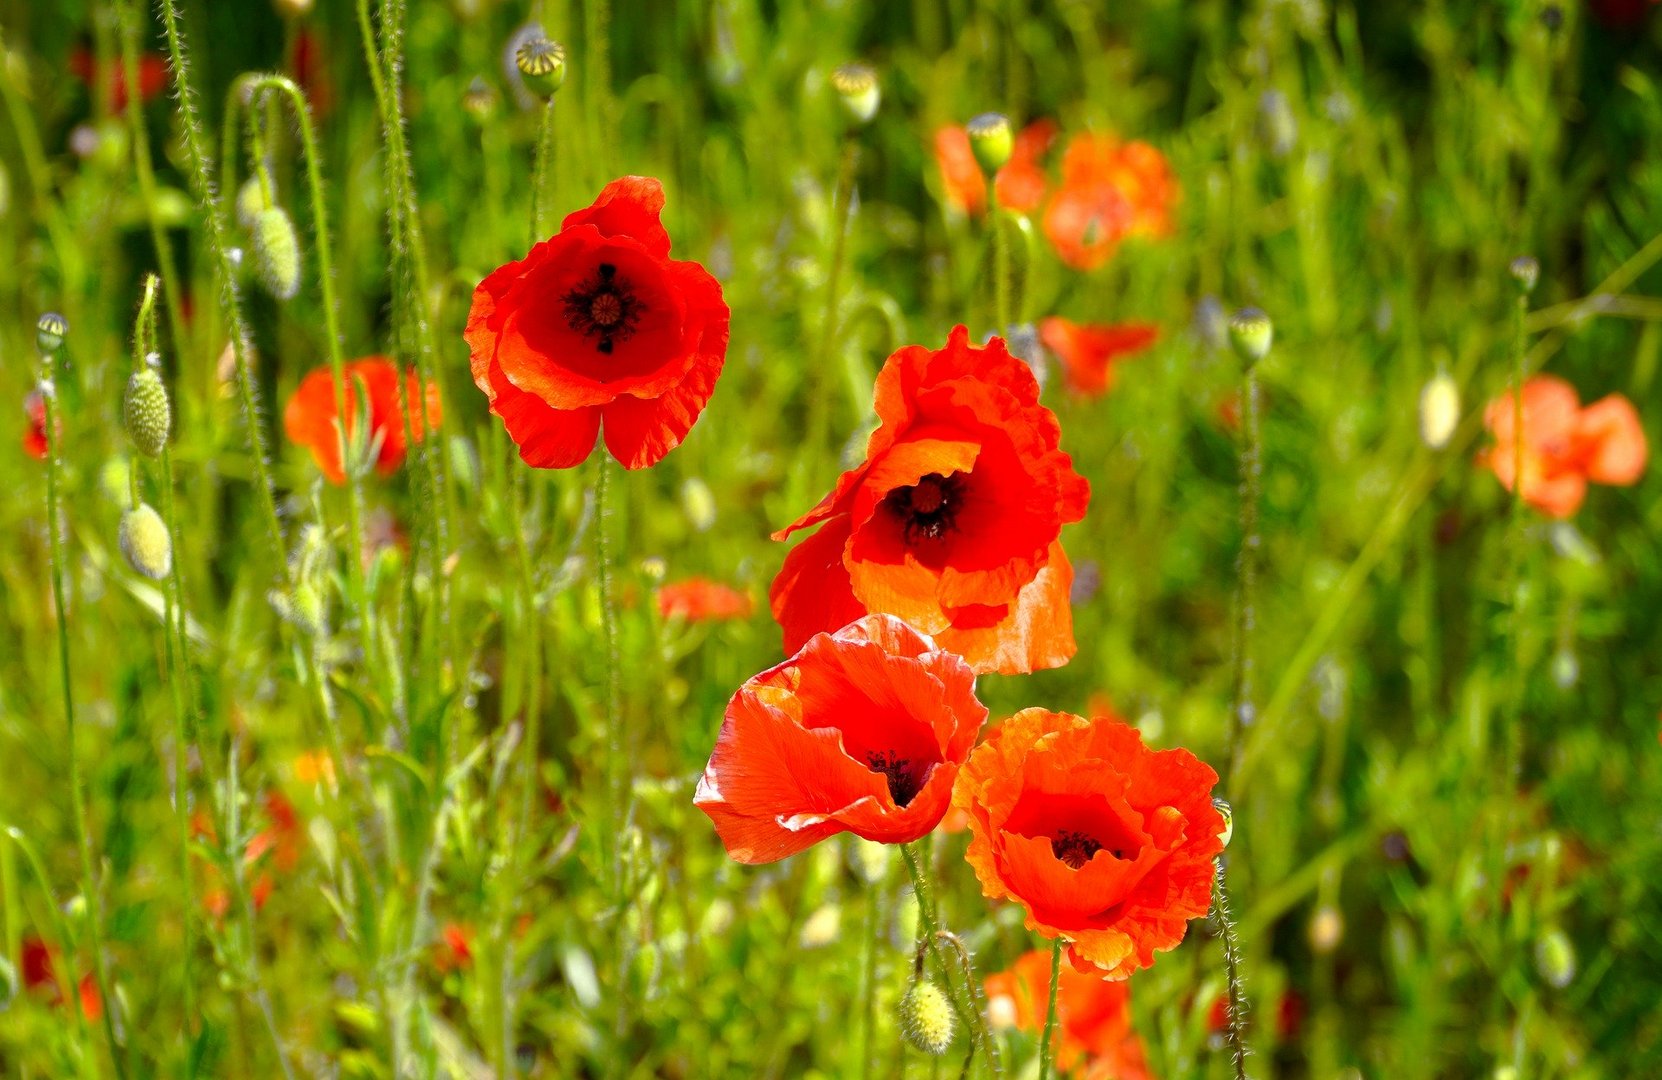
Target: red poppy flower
<point x="953" y="521"/>
<point x="1088" y="353"/>
<point x="37" y="964"/>
<point x="1106" y="843"/>
<point x="152" y="77"/>
<point x="1020" y="183"/>
<point x="282" y="839"/>
<point x="1564" y="445"/>
<point x="1109" y="191"/>
<point x="599" y="323"/>
<point x="454" y="949"/>
<point x="700" y="600"/>
<point x="863" y="731"/>
<point x="35" y="443"/>
<point x="310" y="416"/>
<point x="1093" y="1016"/>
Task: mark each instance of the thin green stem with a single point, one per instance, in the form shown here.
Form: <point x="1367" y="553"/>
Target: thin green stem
<point x="1516" y="542"/>
<point x="144" y="169"/>
<point x="825" y="380"/>
<point x="1047" y="1044"/>
<point x="973" y="1019"/>
<point x="1242" y="711"/>
<point x="617" y="809"/>
<point x="1235" y="1030"/>
<point x="540" y="168"/>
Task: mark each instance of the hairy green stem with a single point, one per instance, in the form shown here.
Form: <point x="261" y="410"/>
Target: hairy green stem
<point x="974" y="1020"/>
<point x="540" y="169"/>
<point x="1242" y="711"/>
<point x="1047" y="1044"/>
<point x="128" y="13"/>
<point x="616" y="780"/>
<point x="1235" y="1030"/>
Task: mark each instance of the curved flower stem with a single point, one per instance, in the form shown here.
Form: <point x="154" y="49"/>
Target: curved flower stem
<point x="975" y="1020"/>
<point x="1047" y="1044"/>
<point x="819" y="417"/>
<point x="89" y="878"/>
<point x="202" y="183"/>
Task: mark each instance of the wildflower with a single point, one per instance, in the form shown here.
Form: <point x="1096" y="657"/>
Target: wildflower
<point x="861" y="731"/>
<point x="953" y="522"/>
<point x="37" y="967"/>
<point x="1106" y="843"/>
<point x="703" y="600"/>
<point x="1093" y="1016"/>
<point x="1020" y="184"/>
<point x="1089" y="353"/>
<point x="597" y="323"/>
<point x="35" y="442"/>
<point x="1565" y="446"/>
<point x="112" y="81"/>
<point x="454" y="949"/>
<point x="371" y="388"/>
<point x="1109" y="191"/>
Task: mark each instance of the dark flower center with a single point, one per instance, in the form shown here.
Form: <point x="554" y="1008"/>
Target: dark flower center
<point x="929" y="508"/>
<point x="1076" y="849"/>
<point x="605" y="308"/>
<point x="904" y="784"/>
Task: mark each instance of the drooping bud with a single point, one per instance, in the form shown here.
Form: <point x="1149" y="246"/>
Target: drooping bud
<point x="542" y="65"/>
<point x="1526" y="271"/>
<point x="991" y="140"/>
<point x="50" y="331"/>
<point x="1439" y="410"/>
<point x="251" y="202"/>
<point x="277" y="253"/>
<point x="145" y="542"/>
<point x="146" y="411"/>
<point x="856" y="85"/>
<point x="479" y="100"/>
<point x="1228" y="814"/>
<point x="1251" y="332"/>
<point x="1555" y="958"/>
<point x="926" y="1018"/>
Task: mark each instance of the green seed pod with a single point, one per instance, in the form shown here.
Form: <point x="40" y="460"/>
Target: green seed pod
<point x="1555" y="958"/>
<point x="1526" y="271"/>
<point x="1251" y="332"/>
<point x="542" y="65"/>
<point x="251" y="202"/>
<point x="1228" y="814"/>
<point x="146" y="411"/>
<point x="50" y="331"/>
<point x="145" y="542"/>
<point x="857" y="85"/>
<point x="1439" y="410"/>
<point x="479" y="100"/>
<point x="277" y="253"/>
<point x="926" y="1018"/>
<point x="991" y="140"/>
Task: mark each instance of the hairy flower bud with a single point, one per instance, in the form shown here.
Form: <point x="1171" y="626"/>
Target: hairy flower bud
<point x="926" y="1018"/>
<point x="146" y="411"/>
<point x="251" y="203"/>
<point x="857" y="85"/>
<point x="145" y="542"/>
<point x="277" y="253"/>
<point x="1439" y="410"/>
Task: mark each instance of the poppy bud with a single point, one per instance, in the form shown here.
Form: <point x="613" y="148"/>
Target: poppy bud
<point x="479" y="100"/>
<point x="251" y="202"/>
<point x="146" y="411"/>
<point x="1526" y="271"/>
<point x="991" y="141"/>
<point x="1439" y="410"/>
<point x="698" y="503"/>
<point x="857" y="85"/>
<point x="1555" y="958"/>
<point x="542" y="66"/>
<point x="1228" y="814"/>
<point x="145" y="542"/>
<point x="1251" y="332"/>
<point x="50" y="331"/>
<point x="926" y="1018"/>
<point x="277" y="253"/>
<point x="1327" y="926"/>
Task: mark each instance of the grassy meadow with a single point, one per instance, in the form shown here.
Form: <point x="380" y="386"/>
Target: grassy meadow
<point x="395" y="776"/>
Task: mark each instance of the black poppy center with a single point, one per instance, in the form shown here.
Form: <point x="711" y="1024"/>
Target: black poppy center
<point x="904" y="783"/>
<point x="604" y="307"/>
<point x="929" y="508"/>
<point x="1076" y="848"/>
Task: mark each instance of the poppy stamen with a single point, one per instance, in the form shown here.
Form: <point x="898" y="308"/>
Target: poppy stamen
<point x="1076" y="848"/>
<point x="604" y="307"/>
<point x="929" y="508"/>
<point x="903" y="783"/>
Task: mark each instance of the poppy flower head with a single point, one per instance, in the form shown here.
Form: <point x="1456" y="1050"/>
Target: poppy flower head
<point x="701" y="600"/>
<point x="1109" y="191"/>
<point x="1563" y="446"/>
<point x="35" y="442"/>
<point x="1020" y="184"/>
<point x="1090" y="353"/>
<point x="598" y="323"/>
<point x="1093" y="1016"/>
<point x="372" y="391"/>
<point x="1106" y="843"/>
<point x="953" y="521"/>
<point x="862" y="731"/>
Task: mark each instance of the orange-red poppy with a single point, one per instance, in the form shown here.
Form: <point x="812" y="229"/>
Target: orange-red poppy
<point x="35" y="443"/>
<point x="372" y="385"/>
<point x="1109" y="191"/>
<point x="1020" y="184"/>
<point x="701" y="600"/>
<point x="454" y="949"/>
<point x="1093" y="1017"/>
<point x="599" y="323"/>
<point x="282" y="839"/>
<point x="152" y="77"/>
<point x="1106" y="843"/>
<point x="1565" y="446"/>
<point x="953" y="521"/>
<point x="863" y="731"/>
<point x="1090" y="352"/>
<point x="37" y="967"/>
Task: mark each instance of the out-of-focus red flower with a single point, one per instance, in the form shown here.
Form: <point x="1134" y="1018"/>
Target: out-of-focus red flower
<point x="1622" y="14"/>
<point x="1093" y="1017"/>
<point x="35" y="443"/>
<point x="454" y="949"/>
<point x="1020" y="184"/>
<point x="152" y="77"/>
<point x="311" y="415"/>
<point x="598" y="323"/>
<point x="309" y="67"/>
<point x="283" y="839"/>
<point x="1089" y="353"/>
<point x="863" y="731"/>
<point x="37" y="965"/>
<point x="1564" y="446"/>
<point x="703" y="600"/>
<point x="1109" y="191"/>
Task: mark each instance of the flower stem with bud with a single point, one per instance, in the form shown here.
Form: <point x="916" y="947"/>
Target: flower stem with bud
<point x="975" y="1020"/>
